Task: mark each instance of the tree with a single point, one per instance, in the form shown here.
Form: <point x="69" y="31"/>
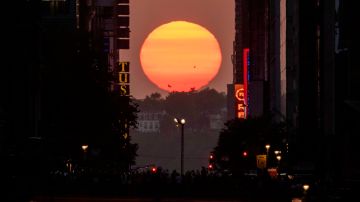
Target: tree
<point x="195" y="106"/>
<point x="152" y="102"/>
<point x="250" y="136"/>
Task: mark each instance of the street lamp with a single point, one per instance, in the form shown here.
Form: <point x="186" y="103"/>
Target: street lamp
<point x="278" y="157"/>
<point x="84" y="148"/>
<point x="182" y="123"/>
<point x="267" y="149"/>
<point x="305" y="187"/>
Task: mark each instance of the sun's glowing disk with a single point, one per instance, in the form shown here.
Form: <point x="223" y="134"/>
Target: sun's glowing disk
<point x="180" y="55"/>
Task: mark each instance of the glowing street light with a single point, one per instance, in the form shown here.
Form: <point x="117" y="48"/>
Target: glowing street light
<point x="278" y="157"/>
<point x="179" y="121"/>
<point x="306" y="187"/>
<point x="277" y="152"/>
<point x="84" y="147"/>
<point x="182" y="124"/>
<point x="267" y="149"/>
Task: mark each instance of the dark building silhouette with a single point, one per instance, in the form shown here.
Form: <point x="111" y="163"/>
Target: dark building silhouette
<point x="250" y="58"/>
<point x="313" y="79"/>
<point x="302" y="69"/>
<point x="51" y="45"/>
<point x="341" y="116"/>
<point x="52" y="51"/>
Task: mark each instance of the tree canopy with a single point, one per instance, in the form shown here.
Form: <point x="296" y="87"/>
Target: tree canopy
<point x="194" y="106"/>
<point x="250" y="136"/>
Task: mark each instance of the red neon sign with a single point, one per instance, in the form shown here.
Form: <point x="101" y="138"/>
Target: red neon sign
<point x="246" y="75"/>
<point x="240" y="101"/>
<point x="241" y="90"/>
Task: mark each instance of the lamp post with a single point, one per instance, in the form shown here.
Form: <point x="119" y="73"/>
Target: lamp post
<point x="84" y="148"/>
<point x="182" y="123"/>
<point x="267" y="149"/>
<point x="278" y="157"/>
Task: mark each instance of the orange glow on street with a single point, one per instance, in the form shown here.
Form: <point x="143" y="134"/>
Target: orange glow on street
<point x="179" y="56"/>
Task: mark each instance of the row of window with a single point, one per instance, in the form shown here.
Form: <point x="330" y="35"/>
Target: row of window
<point x="149" y="116"/>
<point x="149" y="125"/>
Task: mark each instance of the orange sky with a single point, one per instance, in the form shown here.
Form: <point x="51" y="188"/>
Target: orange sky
<point x="145" y="15"/>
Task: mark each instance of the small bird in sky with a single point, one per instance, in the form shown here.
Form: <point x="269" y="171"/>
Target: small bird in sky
<point x="169" y="85"/>
<point x="194" y="66"/>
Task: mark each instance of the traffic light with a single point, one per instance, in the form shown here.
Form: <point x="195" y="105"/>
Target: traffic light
<point x="210" y="166"/>
<point x="211" y="161"/>
<point x="153" y="169"/>
<point x="245" y="154"/>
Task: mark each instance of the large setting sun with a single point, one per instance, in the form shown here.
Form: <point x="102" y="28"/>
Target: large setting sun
<point x="180" y="56"/>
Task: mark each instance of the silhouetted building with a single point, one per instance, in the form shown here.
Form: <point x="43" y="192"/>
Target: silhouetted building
<point x="313" y="74"/>
<point x="341" y="111"/>
<point x="149" y="122"/>
<point x="56" y="47"/>
<point x="299" y="57"/>
<point x="277" y="58"/>
<point x="216" y="121"/>
<point x="248" y="96"/>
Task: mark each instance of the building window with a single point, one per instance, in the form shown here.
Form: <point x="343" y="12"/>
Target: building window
<point x="150" y="125"/>
<point x="145" y="125"/>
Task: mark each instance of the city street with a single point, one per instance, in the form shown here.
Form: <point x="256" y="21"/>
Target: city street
<point x="180" y="101"/>
<point x="105" y="199"/>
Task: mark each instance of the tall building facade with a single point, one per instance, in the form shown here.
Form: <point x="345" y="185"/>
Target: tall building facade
<point x="248" y="95"/>
<point x="61" y="55"/>
<point x="277" y="58"/>
<point x="313" y="76"/>
<point x="299" y="60"/>
<point x="341" y="116"/>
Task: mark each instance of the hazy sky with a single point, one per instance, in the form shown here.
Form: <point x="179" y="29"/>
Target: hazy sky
<point x="145" y="15"/>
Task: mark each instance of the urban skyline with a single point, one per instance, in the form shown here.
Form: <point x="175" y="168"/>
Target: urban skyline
<point x="285" y="129"/>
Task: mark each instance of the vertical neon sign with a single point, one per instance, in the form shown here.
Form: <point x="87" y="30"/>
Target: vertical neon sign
<point x="246" y="76"/>
<point x="241" y="89"/>
<point x="240" y="101"/>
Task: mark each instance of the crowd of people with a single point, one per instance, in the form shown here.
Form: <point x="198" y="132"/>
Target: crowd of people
<point x="156" y="181"/>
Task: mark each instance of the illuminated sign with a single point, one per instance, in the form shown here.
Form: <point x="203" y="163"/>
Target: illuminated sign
<point x="246" y="65"/>
<point x="240" y="101"/>
<point x="261" y="161"/>
<point x="124" y="77"/>
<point x="241" y="90"/>
<point x="122" y="83"/>
<point x="123" y="67"/>
<point x="123" y="89"/>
